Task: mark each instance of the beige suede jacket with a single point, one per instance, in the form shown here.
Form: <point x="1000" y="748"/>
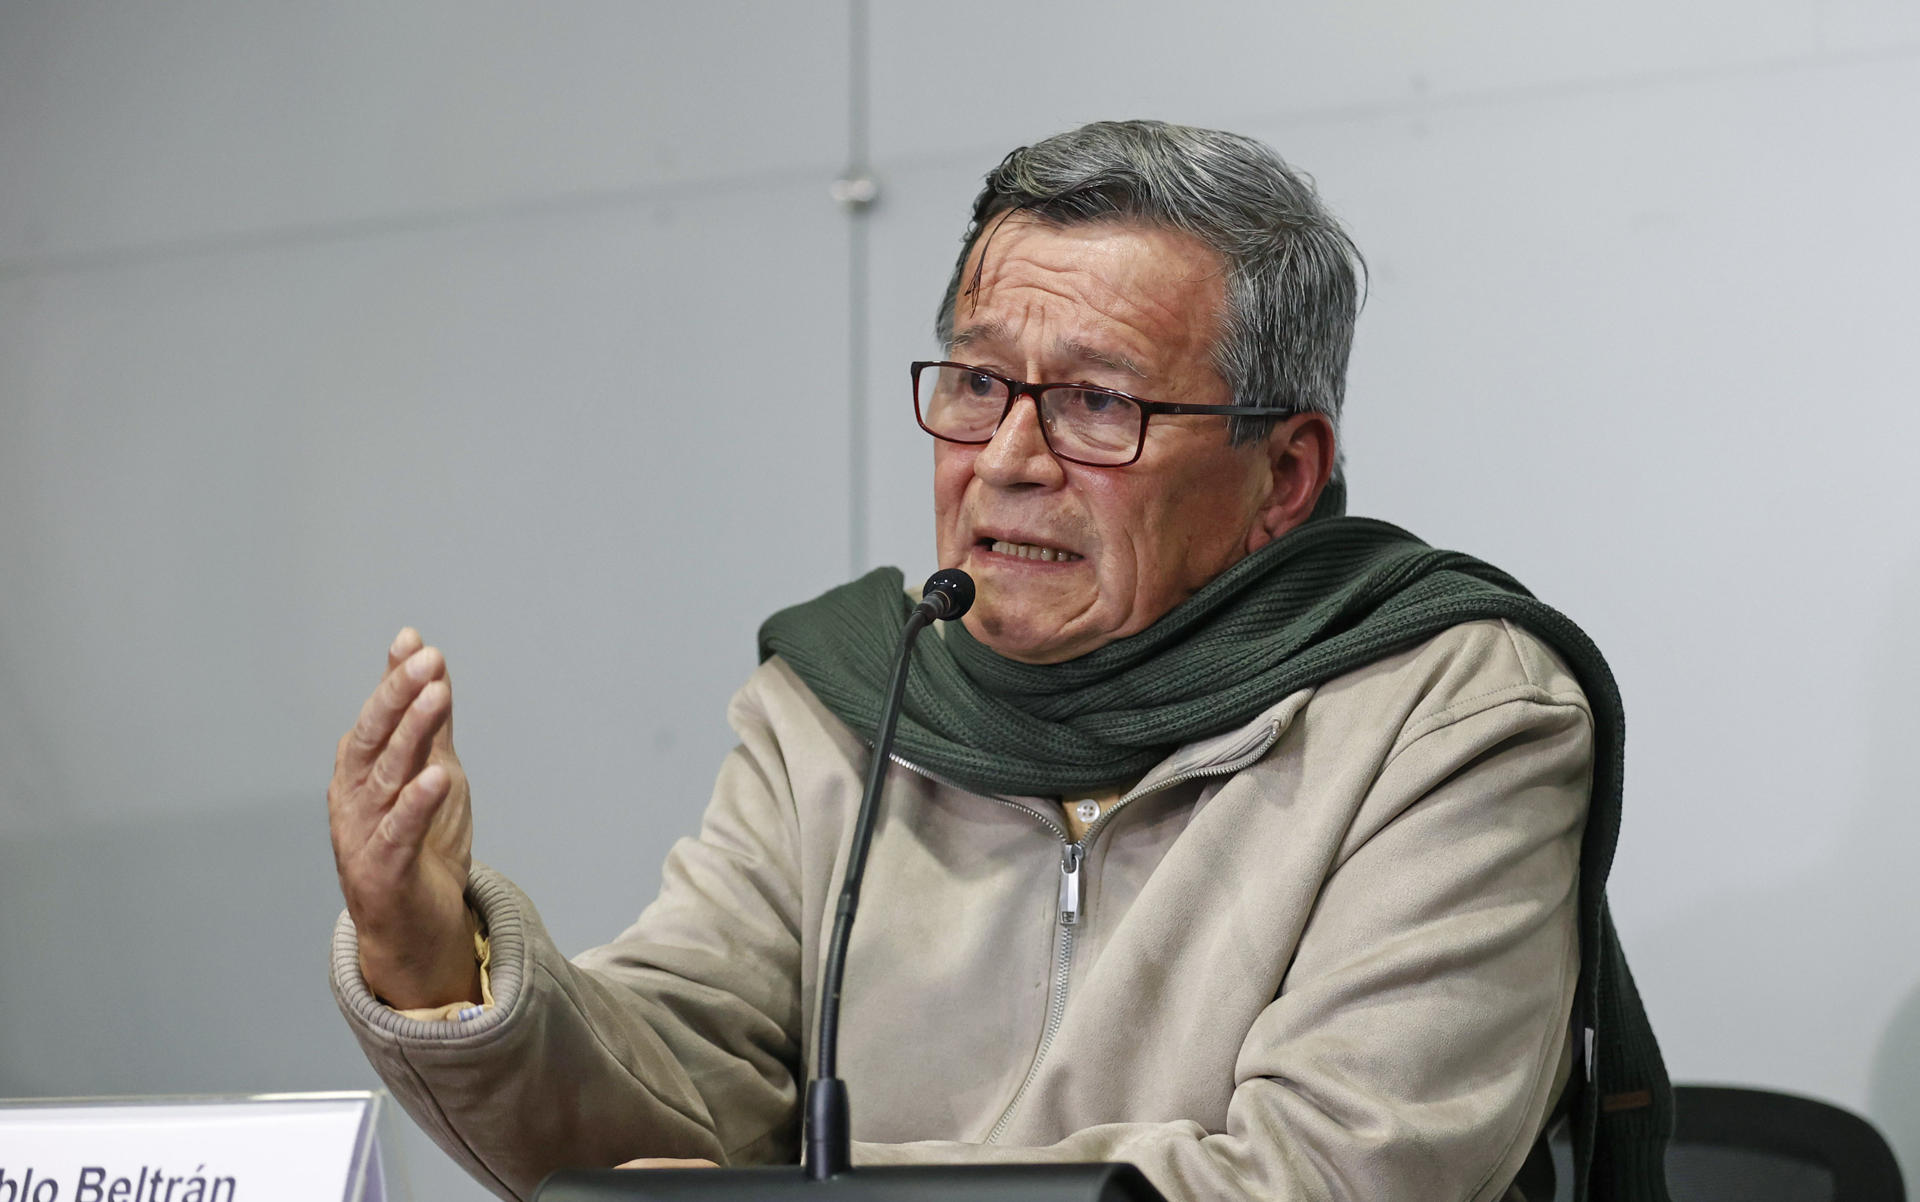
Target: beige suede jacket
<point x="1330" y="954"/>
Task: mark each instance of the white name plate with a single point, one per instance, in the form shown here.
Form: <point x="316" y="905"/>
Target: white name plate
<point x="273" y="1148"/>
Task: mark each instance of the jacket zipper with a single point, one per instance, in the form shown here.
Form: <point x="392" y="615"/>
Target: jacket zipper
<point x="1072" y="856"/>
<point x="1062" y="970"/>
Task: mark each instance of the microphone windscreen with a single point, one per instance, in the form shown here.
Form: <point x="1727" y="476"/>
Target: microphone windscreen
<point x="950" y="590"/>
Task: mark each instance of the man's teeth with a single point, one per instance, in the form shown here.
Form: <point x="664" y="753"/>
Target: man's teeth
<point x="1029" y="551"/>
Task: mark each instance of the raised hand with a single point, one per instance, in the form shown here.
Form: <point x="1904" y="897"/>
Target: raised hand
<point x="403" y="834"/>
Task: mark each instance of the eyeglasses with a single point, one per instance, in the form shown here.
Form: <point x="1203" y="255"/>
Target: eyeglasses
<point x="1081" y="424"/>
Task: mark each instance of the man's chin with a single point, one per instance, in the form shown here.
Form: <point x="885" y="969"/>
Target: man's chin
<point x="1029" y="639"/>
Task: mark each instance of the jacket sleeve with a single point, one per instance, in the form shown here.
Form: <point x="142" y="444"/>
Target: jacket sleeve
<point x="681" y="1038"/>
<point x="1412" y="1049"/>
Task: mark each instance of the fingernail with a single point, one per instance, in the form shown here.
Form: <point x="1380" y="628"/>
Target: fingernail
<point x="399" y="640"/>
<point x="418" y="665"/>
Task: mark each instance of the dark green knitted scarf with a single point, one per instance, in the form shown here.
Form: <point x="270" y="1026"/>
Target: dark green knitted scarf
<point x="1330" y="597"/>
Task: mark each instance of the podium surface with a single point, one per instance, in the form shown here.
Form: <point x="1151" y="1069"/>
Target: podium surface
<point x="881" y="1183"/>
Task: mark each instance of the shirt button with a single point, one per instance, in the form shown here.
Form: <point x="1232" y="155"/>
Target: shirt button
<point x="1087" y="810"/>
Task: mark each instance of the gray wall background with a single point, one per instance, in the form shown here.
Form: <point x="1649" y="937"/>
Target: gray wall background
<point x="536" y="326"/>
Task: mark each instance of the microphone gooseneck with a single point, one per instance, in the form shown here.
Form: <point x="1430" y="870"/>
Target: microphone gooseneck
<point x="947" y="596"/>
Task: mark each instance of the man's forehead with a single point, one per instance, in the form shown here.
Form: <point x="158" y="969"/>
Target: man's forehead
<point x="1119" y="296"/>
<point x="996" y="335"/>
<point x="1113" y="260"/>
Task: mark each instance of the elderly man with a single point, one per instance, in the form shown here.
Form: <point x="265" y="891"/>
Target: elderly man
<point x="1228" y="836"/>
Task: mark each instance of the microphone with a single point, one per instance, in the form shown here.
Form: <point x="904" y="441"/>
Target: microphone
<point x="947" y="595"/>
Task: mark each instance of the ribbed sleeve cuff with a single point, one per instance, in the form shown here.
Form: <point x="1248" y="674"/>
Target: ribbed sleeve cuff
<point x="502" y="913"/>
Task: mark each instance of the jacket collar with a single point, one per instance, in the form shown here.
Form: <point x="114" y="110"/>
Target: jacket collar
<point x="1220" y="755"/>
<point x="1228" y="752"/>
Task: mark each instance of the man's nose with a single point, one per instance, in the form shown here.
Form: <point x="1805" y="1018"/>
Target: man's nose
<point x="1018" y="452"/>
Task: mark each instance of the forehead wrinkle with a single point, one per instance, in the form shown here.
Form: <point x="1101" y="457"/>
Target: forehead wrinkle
<point x="1103" y="285"/>
<point x="1131" y="311"/>
<point x="1067" y="348"/>
<point x="1117" y="338"/>
<point x="1132" y="306"/>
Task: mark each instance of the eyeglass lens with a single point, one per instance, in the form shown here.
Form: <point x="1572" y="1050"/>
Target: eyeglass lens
<point x="1086" y="424"/>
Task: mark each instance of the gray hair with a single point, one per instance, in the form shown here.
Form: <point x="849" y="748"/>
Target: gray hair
<point x="1292" y="273"/>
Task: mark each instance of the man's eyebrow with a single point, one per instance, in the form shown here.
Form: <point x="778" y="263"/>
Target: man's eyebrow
<point x="1071" y="348"/>
<point x="991" y="331"/>
<point x="1119" y="363"/>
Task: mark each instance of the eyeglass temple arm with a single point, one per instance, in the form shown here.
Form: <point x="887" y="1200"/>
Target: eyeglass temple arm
<point x="1227" y="410"/>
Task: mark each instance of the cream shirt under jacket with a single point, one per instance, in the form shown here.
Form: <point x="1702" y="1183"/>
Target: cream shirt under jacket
<point x="1330" y="954"/>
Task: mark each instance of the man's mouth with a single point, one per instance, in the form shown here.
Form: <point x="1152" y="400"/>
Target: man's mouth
<point x="1029" y="551"/>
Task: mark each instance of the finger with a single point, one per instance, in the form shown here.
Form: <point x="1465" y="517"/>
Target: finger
<point x="443" y="733"/>
<point x="384" y="707"/>
<point x="405" y="825"/>
<point x="406" y="751"/>
<point x="404" y="644"/>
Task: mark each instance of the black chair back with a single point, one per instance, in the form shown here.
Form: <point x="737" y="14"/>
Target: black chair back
<point x="1732" y="1144"/>
<point x="1761" y="1146"/>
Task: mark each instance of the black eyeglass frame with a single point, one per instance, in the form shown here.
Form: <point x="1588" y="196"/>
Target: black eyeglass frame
<point x="1019" y="388"/>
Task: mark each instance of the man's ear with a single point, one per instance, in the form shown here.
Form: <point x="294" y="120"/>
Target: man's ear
<point x="1300" y="452"/>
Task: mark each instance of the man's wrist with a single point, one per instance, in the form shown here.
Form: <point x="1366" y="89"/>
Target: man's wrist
<point x="463" y="1011"/>
<point x="449" y="975"/>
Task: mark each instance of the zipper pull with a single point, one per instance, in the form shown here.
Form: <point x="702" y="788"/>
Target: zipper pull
<point x="1070" y="884"/>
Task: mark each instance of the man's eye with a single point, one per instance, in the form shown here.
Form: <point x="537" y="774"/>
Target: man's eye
<point x="979" y="385"/>
<point x="1092" y="403"/>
